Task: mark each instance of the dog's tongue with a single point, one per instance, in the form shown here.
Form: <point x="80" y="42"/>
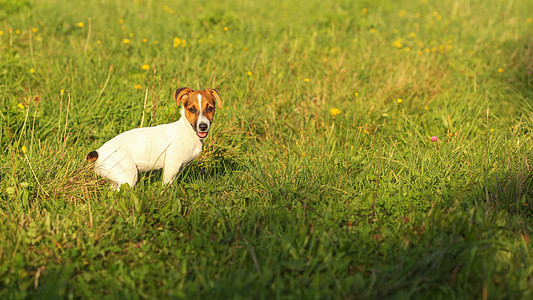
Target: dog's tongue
<point x="202" y="134"/>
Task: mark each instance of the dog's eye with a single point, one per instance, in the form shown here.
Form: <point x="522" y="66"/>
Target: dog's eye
<point x="209" y="109"/>
<point x="192" y="110"/>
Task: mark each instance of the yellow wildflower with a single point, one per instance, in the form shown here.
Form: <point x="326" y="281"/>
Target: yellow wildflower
<point x="307" y="79"/>
<point x="249" y="73"/>
<point x="145" y="67"/>
<point x="32" y="70"/>
<point x="17" y="31"/>
<point x="126" y="41"/>
<point x="334" y="111"/>
<point x="20" y="105"/>
<point x="34" y="29"/>
<point x="138" y="87"/>
<point x="500" y="70"/>
<point x="225" y="28"/>
<point x="1" y="32"/>
<point x="144" y="40"/>
<point x="24" y="149"/>
<point x="399" y="100"/>
<point x="120" y="21"/>
<point x="356" y="94"/>
<point x="81" y="24"/>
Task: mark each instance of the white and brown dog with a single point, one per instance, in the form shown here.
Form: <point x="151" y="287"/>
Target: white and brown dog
<point x="167" y="146"/>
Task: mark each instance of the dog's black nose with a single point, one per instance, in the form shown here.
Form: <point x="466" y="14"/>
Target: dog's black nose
<point x="202" y="126"/>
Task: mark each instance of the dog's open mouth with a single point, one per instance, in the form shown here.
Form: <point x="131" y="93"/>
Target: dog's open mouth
<point x="201" y="135"/>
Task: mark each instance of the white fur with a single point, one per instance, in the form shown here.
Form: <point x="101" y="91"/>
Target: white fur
<point x="167" y="147"/>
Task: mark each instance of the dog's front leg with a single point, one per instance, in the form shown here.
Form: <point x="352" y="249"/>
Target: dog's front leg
<point x="169" y="172"/>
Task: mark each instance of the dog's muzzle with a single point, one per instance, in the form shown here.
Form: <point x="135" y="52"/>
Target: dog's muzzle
<point x="203" y="130"/>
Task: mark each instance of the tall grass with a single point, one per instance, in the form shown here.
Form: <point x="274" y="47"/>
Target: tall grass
<point x="321" y="178"/>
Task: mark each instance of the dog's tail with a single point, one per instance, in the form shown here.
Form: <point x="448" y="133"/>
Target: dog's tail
<point x="93" y="155"/>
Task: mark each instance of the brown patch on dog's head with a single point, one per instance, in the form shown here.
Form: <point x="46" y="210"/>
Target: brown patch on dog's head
<point x="199" y="108"/>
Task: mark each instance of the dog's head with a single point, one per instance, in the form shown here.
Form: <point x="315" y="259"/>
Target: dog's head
<point x="199" y="108"/>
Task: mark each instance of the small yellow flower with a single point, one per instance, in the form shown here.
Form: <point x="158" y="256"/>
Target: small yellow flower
<point x="307" y="79"/>
<point x="245" y="48"/>
<point x="325" y="60"/>
<point x="249" y="73"/>
<point x="399" y="100"/>
<point x="32" y="70"/>
<point x="1" y="32"/>
<point x="397" y="44"/>
<point x="138" y="87"/>
<point x="334" y="111"/>
<point x="24" y="149"/>
<point x="184" y="43"/>
<point x="144" y="40"/>
<point x="20" y="105"/>
<point x="450" y="134"/>
<point x="17" y="31"/>
<point x="356" y="94"/>
<point x="365" y="11"/>
<point x="62" y="91"/>
<point x="98" y="42"/>
<point x="412" y="34"/>
<point x="225" y="28"/>
<point x="120" y="21"/>
<point x="500" y="70"/>
<point x="492" y="130"/>
<point x="372" y="30"/>
<point x="529" y="20"/>
<point x="426" y="107"/>
<point x="81" y="24"/>
<point x="34" y="29"/>
<point x="303" y="154"/>
<point x="401" y="13"/>
<point x="131" y="34"/>
<point x="366" y="131"/>
<point x="126" y="41"/>
<point x="145" y="67"/>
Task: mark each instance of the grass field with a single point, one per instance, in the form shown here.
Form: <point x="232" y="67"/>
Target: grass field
<point x="366" y="149"/>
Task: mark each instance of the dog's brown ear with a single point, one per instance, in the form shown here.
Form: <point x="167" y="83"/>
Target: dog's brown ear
<point x="217" y="97"/>
<point x="180" y="95"/>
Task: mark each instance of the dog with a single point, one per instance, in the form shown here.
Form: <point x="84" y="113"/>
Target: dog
<point x="168" y="146"/>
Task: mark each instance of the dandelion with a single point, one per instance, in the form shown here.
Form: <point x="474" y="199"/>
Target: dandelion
<point x="397" y="44"/>
<point x="24" y="149"/>
<point x="412" y="34"/>
<point x="126" y="41"/>
<point x="144" y="41"/>
<point x="1" y="32"/>
<point x="81" y="24"/>
<point x="492" y="130"/>
<point x="184" y="43"/>
<point x="32" y="70"/>
<point x="451" y="134"/>
<point x="528" y="20"/>
<point x="177" y="42"/>
<point x="303" y="154"/>
<point x="98" y="42"/>
<point x="138" y="87"/>
<point x="334" y="112"/>
<point x="17" y="31"/>
<point x="20" y="105"/>
<point x="145" y="67"/>
<point x="400" y="100"/>
<point x="225" y="28"/>
<point x="366" y="131"/>
<point x="120" y="21"/>
<point x="365" y="11"/>
<point x="249" y="73"/>
<point x="401" y="13"/>
<point x="307" y="79"/>
<point x="426" y="107"/>
<point x="245" y="48"/>
<point x="34" y="30"/>
<point x="131" y="34"/>
<point x="434" y="138"/>
<point x="500" y="70"/>
<point x="372" y="30"/>
<point x="62" y="92"/>
<point x="356" y="94"/>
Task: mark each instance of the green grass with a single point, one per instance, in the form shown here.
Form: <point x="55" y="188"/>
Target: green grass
<point x="286" y="200"/>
